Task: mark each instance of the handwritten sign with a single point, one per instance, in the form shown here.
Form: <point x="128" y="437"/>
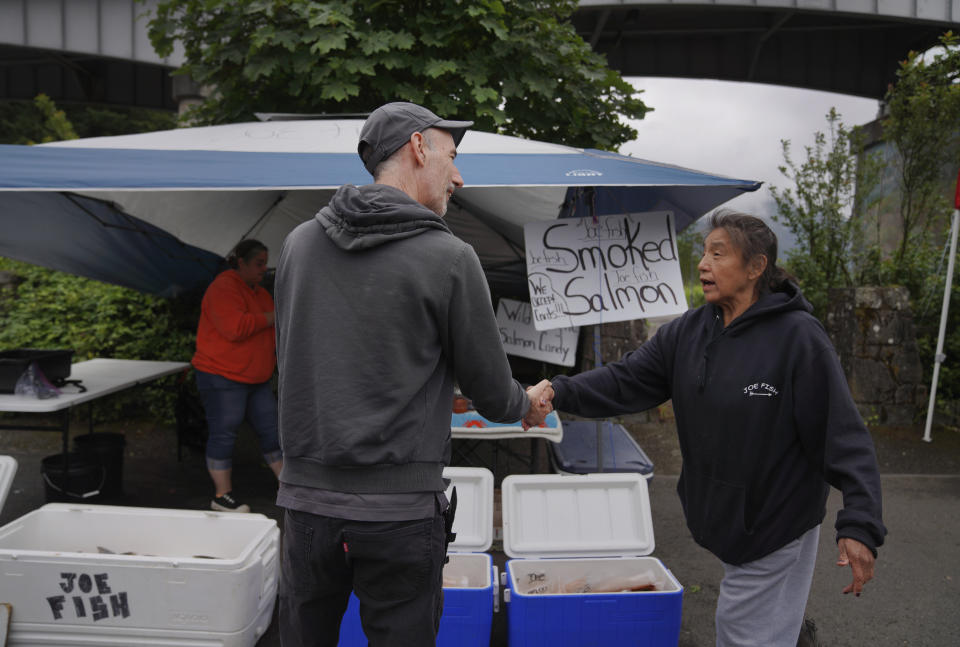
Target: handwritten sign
<point x="88" y="596"/>
<point x="617" y="268"/>
<point x="520" y="337"/>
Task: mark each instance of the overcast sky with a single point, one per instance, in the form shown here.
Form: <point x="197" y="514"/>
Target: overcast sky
<point x="734" y="129"/>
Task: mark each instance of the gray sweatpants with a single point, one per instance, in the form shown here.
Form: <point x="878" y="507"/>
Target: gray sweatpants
<point x="762" y="602"/>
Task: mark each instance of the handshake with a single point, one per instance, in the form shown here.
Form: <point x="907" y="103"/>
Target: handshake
<point x="541" y="403"/>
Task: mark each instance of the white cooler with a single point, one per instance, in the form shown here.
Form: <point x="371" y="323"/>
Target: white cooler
<point x="572" y="539"/>
<point x="108" y="575"/>
<point x="471" y="587"/>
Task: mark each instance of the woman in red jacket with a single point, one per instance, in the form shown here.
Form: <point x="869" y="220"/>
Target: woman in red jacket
<point x="235" y="360"/>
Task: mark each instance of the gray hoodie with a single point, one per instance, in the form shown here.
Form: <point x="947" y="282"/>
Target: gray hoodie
<point x="379" y="309"/>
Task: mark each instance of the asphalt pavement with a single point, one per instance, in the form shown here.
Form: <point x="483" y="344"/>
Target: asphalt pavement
<point x="913" y="601"/>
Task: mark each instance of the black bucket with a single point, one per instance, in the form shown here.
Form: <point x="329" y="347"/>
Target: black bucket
<point x="104" y="449"/>
<point x="83" y="480"/>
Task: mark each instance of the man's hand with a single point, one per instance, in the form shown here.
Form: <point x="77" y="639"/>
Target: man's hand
<point x="541" y="403"/>
<point x="860" y="560"/>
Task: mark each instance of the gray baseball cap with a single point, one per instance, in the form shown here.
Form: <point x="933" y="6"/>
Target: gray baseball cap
<point x="389" y="127"/>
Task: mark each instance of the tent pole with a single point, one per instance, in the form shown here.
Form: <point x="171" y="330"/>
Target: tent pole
<point x="598" y="362"/>
<point x="591" y="195"/>
<point x="948" y="284"/>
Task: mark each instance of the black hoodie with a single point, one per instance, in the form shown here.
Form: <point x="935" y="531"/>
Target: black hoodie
<point x="765" y="420"/>
<point x="379" y="310"/>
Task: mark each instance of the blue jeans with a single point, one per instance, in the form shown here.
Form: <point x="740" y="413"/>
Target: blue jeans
<point x="394" y="567"/>
<point x="227" y="403"/>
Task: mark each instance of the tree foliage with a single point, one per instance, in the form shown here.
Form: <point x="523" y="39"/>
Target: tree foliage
<point x="818" y="208"/>
<point x="40" y="121"/>
<point x="924" y="127"/>
<point x="513" y="67"/>
<point x="35" y="122"/>
<point x="689" y="254"/>
<point x="50" y="309"/>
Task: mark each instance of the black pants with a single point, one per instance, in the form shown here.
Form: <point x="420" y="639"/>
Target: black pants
<point x="394" y="567"/>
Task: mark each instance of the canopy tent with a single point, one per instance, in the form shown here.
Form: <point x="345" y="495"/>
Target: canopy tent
<point x="158" y="211"/>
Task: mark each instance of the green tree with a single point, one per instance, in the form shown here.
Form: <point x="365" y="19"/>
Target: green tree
<point x="818" y="208"/>
<point x="38" y="121"/>
<point x="689" y="254"/>
<point x="34" y="122"/>
<point x="55" y="122"/>
<point x="514" y="67"/>
<point x="924" y="127"/>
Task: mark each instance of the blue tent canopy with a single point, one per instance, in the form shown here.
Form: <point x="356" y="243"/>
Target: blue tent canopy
<point x="158" y="211"/>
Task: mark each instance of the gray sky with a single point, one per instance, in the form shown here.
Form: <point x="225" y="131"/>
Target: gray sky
<point x="734" y="129"/>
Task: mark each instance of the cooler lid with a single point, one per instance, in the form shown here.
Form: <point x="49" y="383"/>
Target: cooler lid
<point x="8" y="469"/>
<point x="573" y="515"/>
<point x="473" y="522"/>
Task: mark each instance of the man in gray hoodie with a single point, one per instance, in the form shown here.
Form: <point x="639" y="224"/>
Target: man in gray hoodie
<point x="379" y="310"/>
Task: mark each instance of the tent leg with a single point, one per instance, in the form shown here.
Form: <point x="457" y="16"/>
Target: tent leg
<point x="598" y="359"/>
<point x="939" y="357"/>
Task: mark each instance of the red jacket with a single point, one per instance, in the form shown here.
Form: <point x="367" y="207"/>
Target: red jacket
<point x="234" y="339"/>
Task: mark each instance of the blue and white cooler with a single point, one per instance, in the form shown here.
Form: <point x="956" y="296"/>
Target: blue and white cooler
<point x="581" y="572"/>
<point x="471" y="587"/>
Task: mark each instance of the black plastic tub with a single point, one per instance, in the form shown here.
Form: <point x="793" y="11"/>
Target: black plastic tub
<point x="55" y="365"/>
<point x="104" y="449"/>
<point x="83" y="480"/>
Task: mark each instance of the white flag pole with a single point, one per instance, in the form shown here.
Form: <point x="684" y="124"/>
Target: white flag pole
<point x="939" y="357"/>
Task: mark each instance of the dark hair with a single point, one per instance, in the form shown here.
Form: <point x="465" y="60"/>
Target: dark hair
<point x="245" y="249"/>
<point x="753" y="238"/>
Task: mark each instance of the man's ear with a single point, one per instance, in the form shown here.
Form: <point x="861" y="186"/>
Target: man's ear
<point x="418" y="145"/>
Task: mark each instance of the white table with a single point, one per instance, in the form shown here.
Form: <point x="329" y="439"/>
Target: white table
<point x="100" y="377"/>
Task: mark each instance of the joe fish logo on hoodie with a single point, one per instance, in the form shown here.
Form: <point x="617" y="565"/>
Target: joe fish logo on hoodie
<point x="760" y="389"/>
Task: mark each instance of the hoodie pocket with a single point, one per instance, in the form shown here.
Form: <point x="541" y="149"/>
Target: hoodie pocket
<point x="720" y="523"/>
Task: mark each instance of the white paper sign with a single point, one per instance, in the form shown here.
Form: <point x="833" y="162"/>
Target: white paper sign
<point x="519" y="337"/>
<point x="618" y="268"/>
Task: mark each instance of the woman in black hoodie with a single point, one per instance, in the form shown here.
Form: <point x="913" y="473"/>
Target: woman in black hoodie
<point x="766" y="424"/>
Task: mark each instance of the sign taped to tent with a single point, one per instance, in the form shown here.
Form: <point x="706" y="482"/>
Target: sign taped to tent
<point x="583" y="271"/>
<point x="521" y="338"/>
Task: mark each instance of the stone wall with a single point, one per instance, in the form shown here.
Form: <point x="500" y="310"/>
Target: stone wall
<point x="615" y="339"/>
<point x="872" y="330"/>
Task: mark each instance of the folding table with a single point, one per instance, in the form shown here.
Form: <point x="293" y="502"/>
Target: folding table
<point x="98" y="377"/>
<point x="473" y="428"/>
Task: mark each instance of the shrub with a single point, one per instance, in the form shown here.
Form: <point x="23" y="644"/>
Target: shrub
<point x="50" y="309"/>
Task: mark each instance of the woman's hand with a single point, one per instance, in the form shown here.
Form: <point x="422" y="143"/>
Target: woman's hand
<point x="860" y="560"/>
